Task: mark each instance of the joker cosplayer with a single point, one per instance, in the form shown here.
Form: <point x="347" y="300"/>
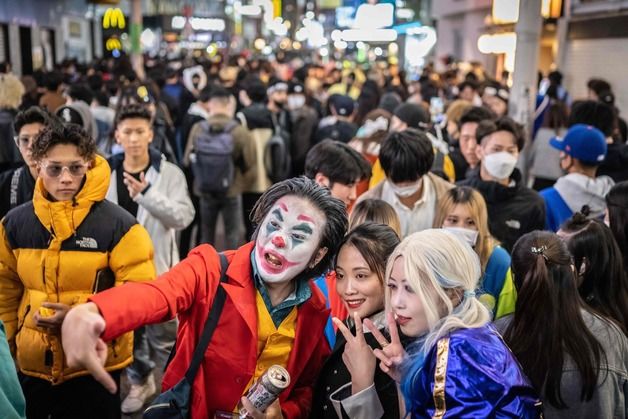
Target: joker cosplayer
<point x="272" y="314"/>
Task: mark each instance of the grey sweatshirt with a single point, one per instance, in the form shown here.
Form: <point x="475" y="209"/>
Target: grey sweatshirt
<point x="610" y="398"/>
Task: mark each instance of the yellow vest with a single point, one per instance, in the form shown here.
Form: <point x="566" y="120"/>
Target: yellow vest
<point x="273" y="344"/>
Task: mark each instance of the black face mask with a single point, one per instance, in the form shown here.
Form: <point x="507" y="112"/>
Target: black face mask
<point x="280" y="105"/>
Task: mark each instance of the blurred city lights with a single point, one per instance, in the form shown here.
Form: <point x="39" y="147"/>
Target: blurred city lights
<point x="372" y="35"/>
<point x="259" y="43"/>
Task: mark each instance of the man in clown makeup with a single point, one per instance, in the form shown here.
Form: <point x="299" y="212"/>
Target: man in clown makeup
<point x="272" y="314"/>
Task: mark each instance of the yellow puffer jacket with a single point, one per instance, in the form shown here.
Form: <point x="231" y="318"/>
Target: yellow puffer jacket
<point x="52" y="252"/>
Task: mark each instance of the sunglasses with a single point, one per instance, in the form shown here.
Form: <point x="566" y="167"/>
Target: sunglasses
<point x="24" y="141"/>
<point x="55" y="170"/>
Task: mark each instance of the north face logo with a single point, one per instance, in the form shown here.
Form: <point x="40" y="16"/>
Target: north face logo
<point x="87" y="243"/>
<point x="513" y="224"/>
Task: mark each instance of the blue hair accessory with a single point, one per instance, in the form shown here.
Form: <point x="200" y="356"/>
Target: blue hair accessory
<point x="469" y="294"/>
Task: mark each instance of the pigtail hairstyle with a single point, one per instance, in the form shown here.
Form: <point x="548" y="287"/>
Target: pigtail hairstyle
<point x="548" y="326"/>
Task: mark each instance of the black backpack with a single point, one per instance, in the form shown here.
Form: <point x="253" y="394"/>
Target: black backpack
<point x="277" y="161"/>
<point x="212" y="161"/>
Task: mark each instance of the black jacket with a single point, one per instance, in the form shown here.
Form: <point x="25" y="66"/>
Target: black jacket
<point x="615" y="164"/>
<point x="512" y="211"/>
<point x="258" y="116"/>
<point x="10" y="156"/>
<point x="334" y="375"/>
<point x="22" y="189"/>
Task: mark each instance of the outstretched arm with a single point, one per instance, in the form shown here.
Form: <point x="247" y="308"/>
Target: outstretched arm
<point x="82" y="344"/>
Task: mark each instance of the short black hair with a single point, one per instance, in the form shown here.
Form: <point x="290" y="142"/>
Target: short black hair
<point x="53" y="80"/>
<point x="81" y="92"/>
<point x="205" y="94"/>
<point x="468" y="83"/>
<point x="338" y="161"/>
<point x="219" y="92"/>
<point x="595" y="113"/>
<point x="598" y="85"/>
<point x="505" y="123"/>
<point x="102" y="98"/>
<point x="255" y="90"/>
<point x="133" y="111"/>
<point x="476" y="114"/>
<point x="406" y="156"/>
<point x="55" y="134"/>
<point x="334" y="209"/>
<point x="32" y="115"/>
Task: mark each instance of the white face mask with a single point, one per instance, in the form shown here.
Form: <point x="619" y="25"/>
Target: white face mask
<point x="296" y="101"/>
<point x="500" y="165"/>
<point x="465" y="234"/>
<point x="406" y="191"/>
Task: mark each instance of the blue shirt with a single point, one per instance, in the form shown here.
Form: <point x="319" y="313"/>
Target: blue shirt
<point x="278" y="313"/>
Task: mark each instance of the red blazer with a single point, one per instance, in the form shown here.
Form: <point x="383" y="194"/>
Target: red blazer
<point x="187" y="291"/>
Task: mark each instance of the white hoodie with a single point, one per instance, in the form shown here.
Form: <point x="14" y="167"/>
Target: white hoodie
<point x="578" y="190"/>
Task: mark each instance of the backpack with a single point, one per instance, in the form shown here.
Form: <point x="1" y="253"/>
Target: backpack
<point x="212" y="162"/>
<point x="277" y="161"/>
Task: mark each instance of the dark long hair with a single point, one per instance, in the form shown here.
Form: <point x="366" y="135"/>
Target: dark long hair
<point x="548" y="325"/>
<point x="617" y="204"/>
<point x="600" y="267"/>
<point x="375" y="242"/>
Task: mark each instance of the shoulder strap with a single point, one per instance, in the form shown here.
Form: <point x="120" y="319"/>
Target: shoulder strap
<point x="210" y="323"/>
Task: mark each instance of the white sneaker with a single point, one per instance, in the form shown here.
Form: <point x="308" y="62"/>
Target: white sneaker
<point x="138" y="394"/>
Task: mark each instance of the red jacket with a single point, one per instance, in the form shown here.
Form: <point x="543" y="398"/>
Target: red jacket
<point x="187" y="291"/>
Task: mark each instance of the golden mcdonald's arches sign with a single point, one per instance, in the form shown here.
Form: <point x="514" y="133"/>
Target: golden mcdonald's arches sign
<point x="112" y="44"/>
<point x="113" y="18"/>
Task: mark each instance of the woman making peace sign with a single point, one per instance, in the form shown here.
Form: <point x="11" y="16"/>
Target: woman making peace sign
<point x="460" y="367"/>
<point x="350" y="385"/>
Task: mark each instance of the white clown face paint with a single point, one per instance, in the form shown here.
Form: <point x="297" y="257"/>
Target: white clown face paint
<point x="288" y="239"/>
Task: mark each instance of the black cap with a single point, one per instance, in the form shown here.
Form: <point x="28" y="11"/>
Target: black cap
<point x="296" y="88"/>
<point x="70" y="115"/>
<point x="342" y="104"/>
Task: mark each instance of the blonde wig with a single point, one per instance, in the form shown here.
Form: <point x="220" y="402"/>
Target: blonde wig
<point x="444" y="273"/>
<point x="11" y="91"/>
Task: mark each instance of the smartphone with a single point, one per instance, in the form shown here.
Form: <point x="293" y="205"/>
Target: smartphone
<point x="105" y="279"/>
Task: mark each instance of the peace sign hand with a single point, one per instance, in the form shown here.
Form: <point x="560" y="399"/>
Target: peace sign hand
<point x="135" y="186"/>
<point x="392" y="353"/>
<point x="357" y="356"/>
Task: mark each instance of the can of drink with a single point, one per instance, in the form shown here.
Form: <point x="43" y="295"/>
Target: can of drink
<point x="266" y="389"/>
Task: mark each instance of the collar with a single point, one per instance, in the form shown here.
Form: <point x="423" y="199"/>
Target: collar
<point x="495" y="191"/>
<point x="154" y="155"/>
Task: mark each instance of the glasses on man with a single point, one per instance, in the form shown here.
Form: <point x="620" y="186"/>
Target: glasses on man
<point x="24" y="141"/>
<point x="55" y="169"/>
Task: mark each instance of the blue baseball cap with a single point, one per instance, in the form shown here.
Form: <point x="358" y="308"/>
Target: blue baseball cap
<point x="582" y="142"/>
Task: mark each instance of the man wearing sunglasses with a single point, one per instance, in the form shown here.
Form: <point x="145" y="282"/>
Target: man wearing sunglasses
<point x="17" y="185"/>
<point x="55" y="252"/>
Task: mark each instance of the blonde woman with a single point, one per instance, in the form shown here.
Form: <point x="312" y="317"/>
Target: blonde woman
<point x="459" y="366"/>
<point x="11" y="92"/>
<point x="462" y="211"/>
